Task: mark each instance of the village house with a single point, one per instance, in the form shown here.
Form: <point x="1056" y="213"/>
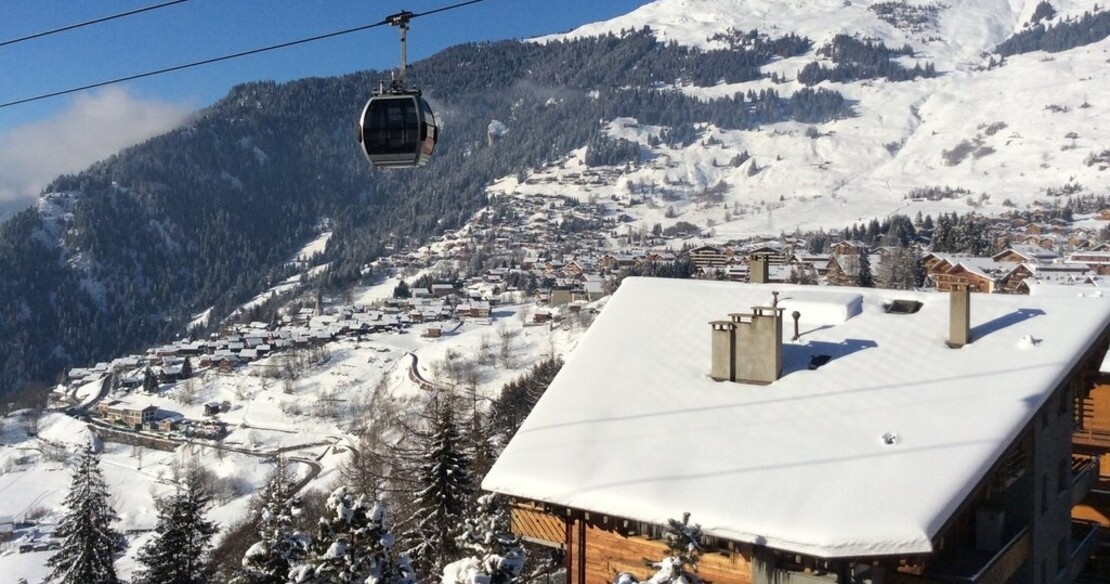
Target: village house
<point x="474" y="309"/>
<point x="708" y="256"/>
<point x="126" y="413"/>
<point x="818" y="436"/>
<point x="1026" y="254"/>
<point x="1099" y="261"/>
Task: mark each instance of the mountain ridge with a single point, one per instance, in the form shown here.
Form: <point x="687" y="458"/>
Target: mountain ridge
<point x="206" y="216"/>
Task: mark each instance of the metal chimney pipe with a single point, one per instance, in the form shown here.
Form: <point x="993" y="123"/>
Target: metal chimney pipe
<point x="797" y="316"/>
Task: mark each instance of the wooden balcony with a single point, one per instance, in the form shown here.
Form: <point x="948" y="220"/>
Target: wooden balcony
<point x="1084" y="542"/>
<point x="1084" y="476"/>
<point x="970" y="566"/>
<point x="1092" y="439"/>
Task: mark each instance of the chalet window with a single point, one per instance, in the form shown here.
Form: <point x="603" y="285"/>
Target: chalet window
<point x="649" y="530"/>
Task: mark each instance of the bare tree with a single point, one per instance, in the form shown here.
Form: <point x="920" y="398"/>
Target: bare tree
<point x="507" y="349"/>
<point x="187" y="392"/>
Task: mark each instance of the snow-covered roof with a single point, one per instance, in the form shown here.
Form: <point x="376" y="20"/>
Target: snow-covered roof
<point x="634" y="427"/>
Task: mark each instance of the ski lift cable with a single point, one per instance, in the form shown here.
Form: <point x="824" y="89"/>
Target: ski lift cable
<point x="205" y="62"/>
<point x="70" y="27"/>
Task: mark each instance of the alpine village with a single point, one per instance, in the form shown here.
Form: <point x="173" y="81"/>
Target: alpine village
<point x="711" y="292"/>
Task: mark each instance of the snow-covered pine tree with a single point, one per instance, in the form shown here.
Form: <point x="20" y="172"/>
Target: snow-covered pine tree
<point x="481" y="444"/>
<point x="353" y="545"/>
<point x="446" y="488"/>
<point x="150" y="384"/>
<point x="280" y="547"/>
<point x="684" y="542"/>
<point x="496" y="555"/>
<point x="88" y="539"/>
<point x="178" y="553"/>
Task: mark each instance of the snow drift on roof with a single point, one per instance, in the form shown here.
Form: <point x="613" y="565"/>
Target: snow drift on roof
<point x="634" y="427"/>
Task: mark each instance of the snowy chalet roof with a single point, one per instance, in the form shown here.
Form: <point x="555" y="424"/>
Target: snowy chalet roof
<point x="634" y="427"/>
<point x="1030" y="252"/>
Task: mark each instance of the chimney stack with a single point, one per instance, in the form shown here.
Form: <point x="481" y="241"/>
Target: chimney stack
<point x="723" y="350"/>
<point x="748" y="348"/>
<point x="959" y="315"/>
<point x="757" y="270"/>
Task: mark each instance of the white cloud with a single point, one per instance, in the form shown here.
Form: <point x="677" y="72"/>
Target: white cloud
<point x="93" y="127"/>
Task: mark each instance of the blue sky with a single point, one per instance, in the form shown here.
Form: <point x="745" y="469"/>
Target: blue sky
<point x="64" y="134"/>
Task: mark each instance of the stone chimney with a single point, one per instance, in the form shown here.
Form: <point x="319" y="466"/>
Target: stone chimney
<point x="959" y="315"/>
<point x="757" y="270"/>
<point x="748" y="347"/>
<point x="723" y="350"/>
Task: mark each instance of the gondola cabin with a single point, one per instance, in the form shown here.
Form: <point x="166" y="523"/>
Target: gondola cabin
<point x="398" y="130"/>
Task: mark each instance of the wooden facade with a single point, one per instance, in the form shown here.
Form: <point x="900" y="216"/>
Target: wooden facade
<point x="959" y="274"/>
<point x="706" y="256"/>
<point x="1046" y="547"/>
<point x="598" y="548"/>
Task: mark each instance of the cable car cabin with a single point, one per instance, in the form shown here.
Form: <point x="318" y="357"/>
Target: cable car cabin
<point x="398" y="130"/>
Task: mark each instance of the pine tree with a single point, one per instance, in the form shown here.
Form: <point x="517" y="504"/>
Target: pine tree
<point x="178" y="553"/>
<point x="865" y="278"/>
<point x="281" y="548"/>
<point x="445" y="490"/>
<point x="89" y="541"/>
<point x="518" y="397"/>
<point x="353" y="544"/>
<point x="684" y="543"/>
<point x="149" y="382"/>
<point x="186" y="369"/>
<point x="496" y="555"/>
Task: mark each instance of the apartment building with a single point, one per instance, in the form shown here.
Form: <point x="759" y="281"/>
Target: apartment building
<point x="817" y="435"/>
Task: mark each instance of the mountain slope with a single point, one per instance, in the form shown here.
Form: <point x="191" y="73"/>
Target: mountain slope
<point x="1011" y="133"/>
<point x="747" y="130"/>
<point x="207" y="215"/>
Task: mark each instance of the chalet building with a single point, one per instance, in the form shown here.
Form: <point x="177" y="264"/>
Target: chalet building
<point x="1020" y="254"/>
<point x="474" y="309"/>
<point x="817" y="435"/>
<point x="980" y="274"/>
<point x="848" y="247"/>
<point x="1092" y="439"/>
<point x="773" y="252"/>
<point x="441" y="290"/>
<point x="1014" y="282"/>
<point x="561" y="293"/>
<point x="844" y="269"/>
<point x="1099" y="261"/>
<point x="126" y="413"/>
<point x="814" y="262"/>
<point x="707" y="256"/>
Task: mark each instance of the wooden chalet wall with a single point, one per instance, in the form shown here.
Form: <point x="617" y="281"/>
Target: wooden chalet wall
<point x="596" y="550"/>
<point x="608" y="553"/>
<point x="959" y="275"/>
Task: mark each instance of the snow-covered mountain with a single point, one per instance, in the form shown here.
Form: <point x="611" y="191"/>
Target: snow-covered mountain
<point x="995" y="136"/>
<point x="1006" y="134"/>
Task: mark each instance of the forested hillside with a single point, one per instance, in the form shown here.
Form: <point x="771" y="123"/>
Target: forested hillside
<point x="126" y="252"/>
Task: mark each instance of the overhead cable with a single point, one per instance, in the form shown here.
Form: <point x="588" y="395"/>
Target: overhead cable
<point x="285" y="45"/>
<point x="89" y="22"/>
